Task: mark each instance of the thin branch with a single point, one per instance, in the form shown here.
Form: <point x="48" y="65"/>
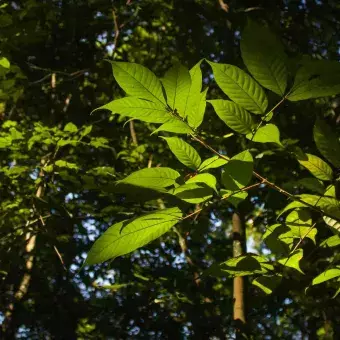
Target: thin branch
<point x="224" y="6"/>
<point x="267" y="182"/>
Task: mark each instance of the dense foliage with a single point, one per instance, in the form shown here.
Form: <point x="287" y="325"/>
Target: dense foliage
<point x="212" y="109"/>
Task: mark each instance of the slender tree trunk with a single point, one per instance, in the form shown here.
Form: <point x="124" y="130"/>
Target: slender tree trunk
<point x="8" y="329"/>
<point x="239" y="248"/>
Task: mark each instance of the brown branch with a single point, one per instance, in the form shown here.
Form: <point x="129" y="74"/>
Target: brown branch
<point x="267" y="182"/>
<point x="184" y="247"/>
<point x="224" y="6"/>
<point x="133" y="133"/>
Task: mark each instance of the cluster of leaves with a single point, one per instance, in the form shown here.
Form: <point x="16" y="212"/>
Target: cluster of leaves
<point x="178" y="103"/>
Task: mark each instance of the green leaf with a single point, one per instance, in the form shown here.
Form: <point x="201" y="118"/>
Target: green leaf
<point x="141" y="109"/>
<point x="152" y="178"/>
<point x="332" y="223"/>
<point x="240" y="87"/>
<point x="196" y="103"/>
<point x="327" y="142"/>
<point x="238" y="171"/>
<point x="70" y="127"/>
<point x="332" y="241"/>
<point x="316" y="166"/>
<point x="126" y="236"/>
<point x="315" y="78"/>
<point x="326" y="275"/>
<point x="184" y="152"/>
<point x="329" y="205"/>
<point x="312" y="184"/>
<point x="193" y="193"/>
<point x="264" y="56"/>
<point x="177" y="84"/>
<point x="63" y="164"/>
<point x="268" y="283"/>
<point x="5" y="142"/>
<point x="234" y="198"/>
<point x="136" y="80"/>
<point x="233" y="115"/>
<point x="5" y="63"/>
<point x="293" y="260"/>
<point x="207" y="179"/>
<point x="248" y="264"/>
<point x="212" y="163"/>
<point x="175" y="126"/>
<point x="195" y="119"/>
<point x="266" y="134"/>
<point x="86" y="130"/>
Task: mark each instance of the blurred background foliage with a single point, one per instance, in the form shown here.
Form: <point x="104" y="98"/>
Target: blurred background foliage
<point x="52" y="75"/>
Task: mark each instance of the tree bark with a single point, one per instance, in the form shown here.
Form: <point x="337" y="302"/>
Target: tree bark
<point x="8" y="329"/>
<point x="239" y="284"/>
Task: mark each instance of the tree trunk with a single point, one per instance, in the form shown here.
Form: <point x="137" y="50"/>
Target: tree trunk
<point x="239" y="248"/>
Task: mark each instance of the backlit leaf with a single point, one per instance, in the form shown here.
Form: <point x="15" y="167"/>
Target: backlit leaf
<point x="152" y="177"/>
<point x="177" y="84"/>
<point x="328" y="274"/>
<point x="317" y="167"/>
<point x="184" y="152"/>
<point x="240" y="87"/>
<point x="315" y="78"/>
<point x="264" y="56"/>
<point x="175" y="126"/>
<point x="140" y="109"/>
<point x="138" y="81"/>
<point x="233" y="115"/>
<point x="293" y="260"/>
<point x="193" y="192"/>
<point x="266" y="134"/>
<point x="126" y="236"/>
<point x="238" y="171"/>
<point x="268" y="283"/>
<point x="212" y="163"/>
<point x="207" y="179"/>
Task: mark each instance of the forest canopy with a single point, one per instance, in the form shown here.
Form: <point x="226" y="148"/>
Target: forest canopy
<point x="170" y="170"/>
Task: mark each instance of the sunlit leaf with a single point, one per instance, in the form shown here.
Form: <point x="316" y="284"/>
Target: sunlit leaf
<point x="293" y="260"/>
<point x="240" y="87"/>
<point x="175" y="126"/>
<point x="177" y="84"/>
<point x="184" y="152"/>
<point x="266" y="134"/>
<point x="212" y="163"/>
<point x="195" y="119"/>
<point x="207" y="179"/>
<point x="315" y="78"/>
<point x="234" y="198"/>
<point x="233" y="115"/>
<point x="330" y="242"/>
<point x="317" y="167"/>
<point x="193" y="192"/>
<point x="238" y="171"/>
<point x="328" y="274"/>
<point x="140" y="109"/>
<point x="268" y="283"/>
<point x="138" y="81"/>
<point x="264" y="56"/>
<point x="152" y="177"/>
<point x="70" y="127"/>
<point x="126" y="236"/>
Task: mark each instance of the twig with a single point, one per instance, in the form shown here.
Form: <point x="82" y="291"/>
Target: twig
<point x="267" y="182"/>
<point x="224" y="6"/>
